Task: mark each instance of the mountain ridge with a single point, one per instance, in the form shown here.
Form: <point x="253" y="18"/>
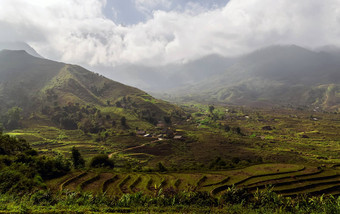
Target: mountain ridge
<point x="59" y="91"/>
<point x="283" y="75"/>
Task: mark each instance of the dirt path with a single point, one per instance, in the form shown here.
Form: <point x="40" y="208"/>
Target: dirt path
<point x="135" y="147"/>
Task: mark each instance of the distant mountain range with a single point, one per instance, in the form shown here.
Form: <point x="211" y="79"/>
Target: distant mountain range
<point x="167" y="77"/>
<point x="283" y="75"/>
<point x="276" y="75"/>
<point x="279" y="75"/>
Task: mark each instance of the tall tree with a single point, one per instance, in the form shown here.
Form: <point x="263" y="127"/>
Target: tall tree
<point x="77" y="159"/>
<point x="12" y="118"/>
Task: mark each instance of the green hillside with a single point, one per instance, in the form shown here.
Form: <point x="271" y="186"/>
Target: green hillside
<point x="69" y="96"/>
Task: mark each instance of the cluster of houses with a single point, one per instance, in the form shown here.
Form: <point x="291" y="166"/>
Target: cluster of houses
<point x="163" y="132"/>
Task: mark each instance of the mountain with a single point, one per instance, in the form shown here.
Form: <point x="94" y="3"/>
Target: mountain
<point x="167" y="77"/>
<point x="19" y="46"/>
<point x="67" y="94"/>
<point x="284" y="75"/>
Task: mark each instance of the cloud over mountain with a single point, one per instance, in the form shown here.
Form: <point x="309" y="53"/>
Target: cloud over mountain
<point x="79" y="32"/>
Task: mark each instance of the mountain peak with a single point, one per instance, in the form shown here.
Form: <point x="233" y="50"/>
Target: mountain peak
<point x="8" y="51"/>
<point x="15" y="46"/>
<point x="280" y="49"/>
<point x="282" y="53"/>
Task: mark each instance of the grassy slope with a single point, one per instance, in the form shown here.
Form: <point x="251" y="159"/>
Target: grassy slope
<point x="33" y="83"/>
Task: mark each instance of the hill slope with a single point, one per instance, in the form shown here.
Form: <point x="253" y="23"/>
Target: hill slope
<point x="277" y="75"/>
<point x="61" y="91"/>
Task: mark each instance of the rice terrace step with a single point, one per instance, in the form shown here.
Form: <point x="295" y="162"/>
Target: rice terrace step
<point x="288" y="180"/>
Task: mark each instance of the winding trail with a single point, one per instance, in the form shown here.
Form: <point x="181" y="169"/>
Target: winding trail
<point x="131" y="148"/>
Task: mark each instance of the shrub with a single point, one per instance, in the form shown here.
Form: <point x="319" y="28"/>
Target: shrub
<point x="18" y="179"/>
<point x="5" y="161"/>
<point x="227" y="128"/>
<point x="101" y="161"/>
<point x="123" y="121"/>
<point x="267" y="198"/>
<point x="161" y="167"/>
<point x="196" y="198"/>
<point x="42" y="197"/>
<point x="68" y="123"/>
<point x="235" y="195"/>
<point x="31" y="152"/>
<point x="237" y="130"/>
<point x="11" y="145"/>
<point x="218" y="163"/>
<point x="52" y="167"/>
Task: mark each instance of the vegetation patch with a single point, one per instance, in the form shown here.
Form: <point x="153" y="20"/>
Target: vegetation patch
<point x="225" y="180"/>
<point x="123" y="182"/>
<point x="89" y="181"/>
<point x="71" y="180"/>
<point x="135" y="183"/>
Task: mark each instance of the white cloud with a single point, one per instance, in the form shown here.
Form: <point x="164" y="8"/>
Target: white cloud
<point x="76" y="31"/>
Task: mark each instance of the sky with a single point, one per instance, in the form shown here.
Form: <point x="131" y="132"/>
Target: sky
<point x="159" y="32"/>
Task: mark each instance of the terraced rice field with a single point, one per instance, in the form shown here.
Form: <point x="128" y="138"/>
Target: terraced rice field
<point x="286" y="179"/>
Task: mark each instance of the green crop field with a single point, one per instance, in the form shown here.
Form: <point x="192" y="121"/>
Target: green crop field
<point x="238" y="136"/>
<point x="287" y="179"/>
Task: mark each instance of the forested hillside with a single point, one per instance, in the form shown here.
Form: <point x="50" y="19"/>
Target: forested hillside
<point x="70" y="97"/>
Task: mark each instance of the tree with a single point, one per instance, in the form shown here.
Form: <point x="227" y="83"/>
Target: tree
<point x="167" y="119"/>
<point x="238" y="130"/>
<point x="226" y="128"/>
<point x="118" y="104"/>
<point x="88" y="125"/>
<point x="123" y="121"/>
<point x="235" y="160"/>
<point x="77" y="159"/>
<point x="211" y="109"/>
<point x="68" y="123"/>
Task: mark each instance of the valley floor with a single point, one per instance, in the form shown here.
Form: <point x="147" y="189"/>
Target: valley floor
<point x="238" y="136"/>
